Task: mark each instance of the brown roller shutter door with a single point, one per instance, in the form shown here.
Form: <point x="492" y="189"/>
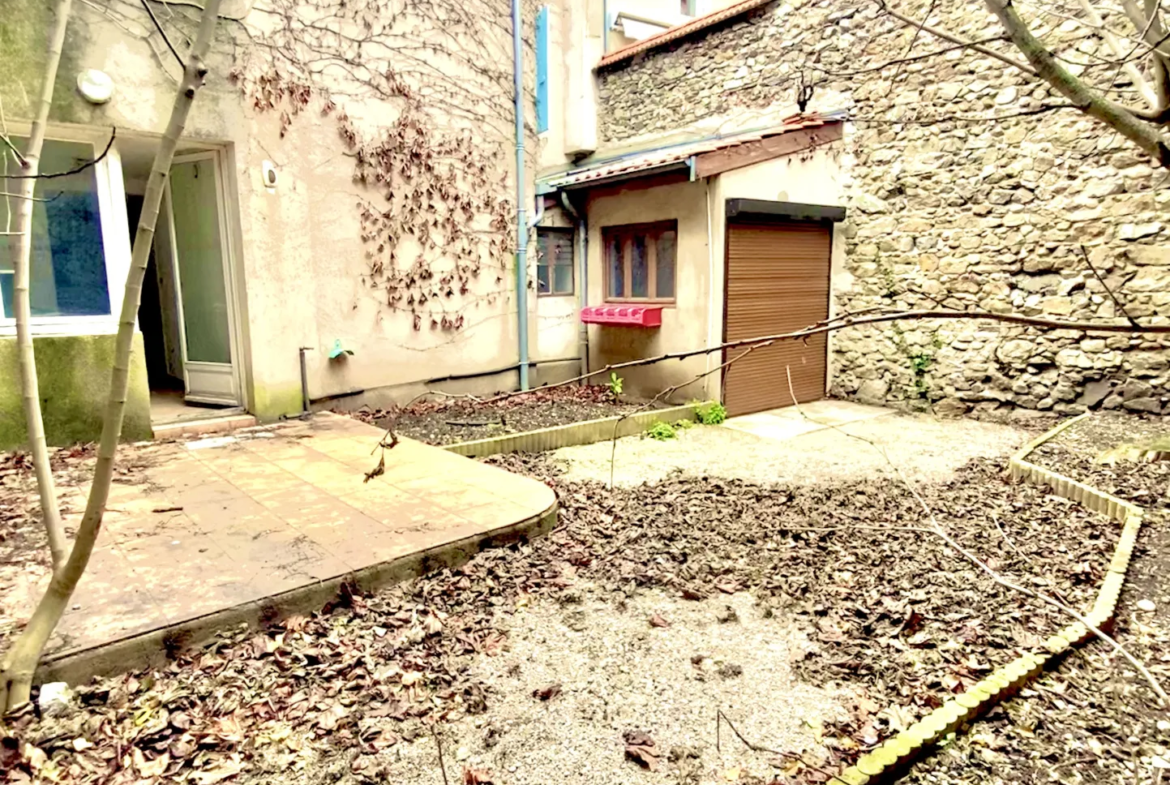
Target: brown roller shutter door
<point x="777" y="282"/>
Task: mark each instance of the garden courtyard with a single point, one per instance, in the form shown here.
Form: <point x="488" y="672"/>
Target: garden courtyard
<point x="762" y="601"/>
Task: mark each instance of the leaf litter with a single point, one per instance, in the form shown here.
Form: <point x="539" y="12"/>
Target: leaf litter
<point x="1091" y="720"/>
<point x="880" y="620"/>
<point x="453" y="420"/>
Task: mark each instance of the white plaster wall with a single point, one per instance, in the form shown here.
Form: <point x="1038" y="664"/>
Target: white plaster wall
<point x="812" y="178"/>
<point x="684" y="324"/>
<point x="299" y="253"/>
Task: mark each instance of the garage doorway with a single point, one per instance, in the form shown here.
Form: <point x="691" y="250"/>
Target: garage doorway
<point x="777" y="274"/>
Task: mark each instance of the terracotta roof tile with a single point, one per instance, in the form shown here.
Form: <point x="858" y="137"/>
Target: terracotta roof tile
<point x="680" y="31"/>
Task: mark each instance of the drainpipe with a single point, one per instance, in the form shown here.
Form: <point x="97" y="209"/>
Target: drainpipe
<point x="714" y="298"/>
<point x="583" y="278"/>
<point x="306" y="402"/>
<point x="521" y="218"/>
<point x="604" y="27"/>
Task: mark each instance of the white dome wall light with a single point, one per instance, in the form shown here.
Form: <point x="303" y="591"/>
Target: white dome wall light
<point x="95" y="86"/>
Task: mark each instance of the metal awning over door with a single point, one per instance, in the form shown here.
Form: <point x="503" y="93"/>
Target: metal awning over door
<point x="777" y="282"/>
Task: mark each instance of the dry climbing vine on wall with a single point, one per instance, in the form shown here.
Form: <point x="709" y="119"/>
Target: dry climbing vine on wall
<point x="436" y="191"/>
<point x="439" y="220"/>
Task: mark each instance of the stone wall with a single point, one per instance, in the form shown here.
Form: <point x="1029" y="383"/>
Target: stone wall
<point x="947" y="207"/>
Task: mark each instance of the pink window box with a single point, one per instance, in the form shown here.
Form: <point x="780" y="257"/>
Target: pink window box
<point x="628" y="315"/>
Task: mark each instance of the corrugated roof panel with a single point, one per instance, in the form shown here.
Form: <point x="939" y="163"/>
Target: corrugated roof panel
<point x="655" y="159"/>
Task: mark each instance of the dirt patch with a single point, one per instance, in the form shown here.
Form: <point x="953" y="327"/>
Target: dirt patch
<point x="454" y="420"/>
<point x="835" y="582"/>
<point x="1126" y="455"/>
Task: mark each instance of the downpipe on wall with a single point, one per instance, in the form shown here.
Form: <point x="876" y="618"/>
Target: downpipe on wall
<point x="521" y="218"/>
<point x="583" y="278"/>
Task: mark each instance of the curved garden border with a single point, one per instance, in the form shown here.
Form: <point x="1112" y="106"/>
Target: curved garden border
<point x="890" y="759"/>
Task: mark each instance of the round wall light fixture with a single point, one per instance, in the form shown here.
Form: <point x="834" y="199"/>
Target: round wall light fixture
<point x="95" y="86"/>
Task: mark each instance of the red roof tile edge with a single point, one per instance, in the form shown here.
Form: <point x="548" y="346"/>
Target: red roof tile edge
<point x="680" y="31"/>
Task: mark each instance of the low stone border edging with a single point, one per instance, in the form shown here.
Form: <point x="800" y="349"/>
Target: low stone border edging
<point x="887" y="761"/>
<point x="573" y="434"/>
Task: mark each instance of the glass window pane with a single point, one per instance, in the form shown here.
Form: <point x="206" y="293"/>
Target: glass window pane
<point x="639" y="268"/>
<point x="68" y="274"/>
<point x="665" y="265"/>
<point x="6" y="294"/>
<point x="194" y="197"/>
<point x="613" y="249"/>
<point x="542" y="278"/>
<point x="563" y="279"/>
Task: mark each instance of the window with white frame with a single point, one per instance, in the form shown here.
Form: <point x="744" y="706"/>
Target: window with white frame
<point x="70" y="275"/>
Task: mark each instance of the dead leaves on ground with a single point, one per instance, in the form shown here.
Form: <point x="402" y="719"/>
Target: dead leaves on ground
<point x="892" y="614"/>
<point x="477" y="777"/>
<point x="547" y="693"/>
<point x="641" y="749"/>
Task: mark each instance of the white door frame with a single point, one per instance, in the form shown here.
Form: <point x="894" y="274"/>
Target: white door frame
<point x="235" y="398"/>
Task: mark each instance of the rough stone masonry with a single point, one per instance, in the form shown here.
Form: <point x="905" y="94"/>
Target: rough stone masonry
<point x="947" y="206"/>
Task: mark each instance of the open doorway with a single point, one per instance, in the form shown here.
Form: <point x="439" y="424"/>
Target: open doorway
<point x="186" y="312"/>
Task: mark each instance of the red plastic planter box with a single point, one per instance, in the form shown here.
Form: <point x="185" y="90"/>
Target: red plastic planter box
<point x="628" y="315"/>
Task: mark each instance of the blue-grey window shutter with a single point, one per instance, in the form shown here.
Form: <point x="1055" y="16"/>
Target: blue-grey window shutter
<point x="542" y="69"/>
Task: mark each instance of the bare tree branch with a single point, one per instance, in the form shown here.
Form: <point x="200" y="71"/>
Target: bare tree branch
<point x="162" y="32"/>
<point x="1122" y="119"/>
<point x="8" y="143"/>
<point x="21" y="265"/>
<point x="1130" y="69"/>
<point x="954" y="39"/>
<point x="75" y="170"/>
<point x="841" y="323"/>
<point x="1108" y="290"/>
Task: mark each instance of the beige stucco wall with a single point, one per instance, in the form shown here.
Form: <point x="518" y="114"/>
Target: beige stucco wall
<point x="819" y="178"/>
<point x="298" y="249"/>
<point x="684" y="324"/>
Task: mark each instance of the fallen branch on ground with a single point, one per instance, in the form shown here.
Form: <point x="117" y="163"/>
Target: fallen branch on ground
<point x="720" y="717"/>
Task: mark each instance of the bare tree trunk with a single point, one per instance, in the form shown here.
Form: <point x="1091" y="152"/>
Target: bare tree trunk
<point x="16" y="672"/>
<point x="1120" y="118"/>
<point x="21" y="263"/>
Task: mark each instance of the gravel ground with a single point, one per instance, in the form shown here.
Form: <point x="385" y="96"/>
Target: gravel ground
<point x="617" y="672"/>
<point x="924" y="447"/>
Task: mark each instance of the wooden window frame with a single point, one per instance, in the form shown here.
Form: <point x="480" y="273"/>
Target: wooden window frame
<point x="626" y="232"/>
<point x="552" y="292"/>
